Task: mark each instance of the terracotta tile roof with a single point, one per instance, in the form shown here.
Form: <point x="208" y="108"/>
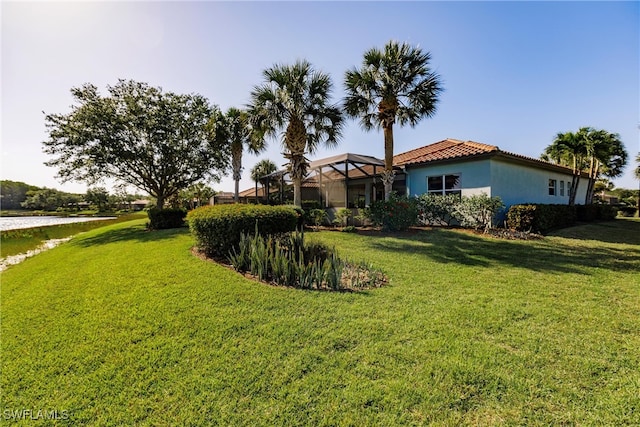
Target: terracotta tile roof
<point x="443" y="150"/>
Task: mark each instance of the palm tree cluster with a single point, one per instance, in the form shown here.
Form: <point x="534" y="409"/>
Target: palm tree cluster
<point x="589" y="151"/>
<point x="393" y="85"/>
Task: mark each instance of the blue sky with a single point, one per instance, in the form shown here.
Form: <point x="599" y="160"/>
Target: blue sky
<point x="515" y="73"/>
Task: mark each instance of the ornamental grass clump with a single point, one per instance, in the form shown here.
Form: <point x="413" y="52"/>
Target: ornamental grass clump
<point x="290" y="261"/>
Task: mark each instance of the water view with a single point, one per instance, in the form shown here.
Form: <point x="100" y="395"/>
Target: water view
<point x="19" y="222"/>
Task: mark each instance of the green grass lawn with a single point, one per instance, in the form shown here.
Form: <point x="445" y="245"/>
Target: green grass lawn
<point x="121" y="326"/>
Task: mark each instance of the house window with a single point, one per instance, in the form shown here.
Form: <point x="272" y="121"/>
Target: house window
<point x="562" y="188"/>
<point x="444" y="184"/>
<point x="552" y="187"/>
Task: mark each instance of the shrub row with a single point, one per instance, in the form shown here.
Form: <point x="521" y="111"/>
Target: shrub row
<point x="627" y="211"/>
<point x="477" y="211"/>
<point x="596" y="212"/>
<point x="160" y="219"/>
<point x="217" y="229"/>
<point x="540" y="218"/>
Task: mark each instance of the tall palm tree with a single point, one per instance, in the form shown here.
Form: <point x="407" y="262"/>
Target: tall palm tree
<point x="569" y="149"/>
<point x="595" y="152"/>
<point x="392" y="85"/>
<point x="262" y="168"/>
<point x="606" y="156"/>
<point x="295" y="99"/>
<point x="238" y="133"/>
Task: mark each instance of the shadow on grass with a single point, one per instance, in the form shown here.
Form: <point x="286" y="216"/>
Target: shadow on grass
<point x="448" y="246"/>
<point x="621" y="230"/>
<point x="137" y="233"/>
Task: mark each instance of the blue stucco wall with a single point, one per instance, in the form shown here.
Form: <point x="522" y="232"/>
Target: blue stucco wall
<point x="475" y="176"/>
<point x="514" y="183"/>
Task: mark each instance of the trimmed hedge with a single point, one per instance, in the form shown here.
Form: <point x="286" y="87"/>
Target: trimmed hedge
<point x="596" y="212"/>
<point x="217" y="229"/>
<point x="160" y="219"/>
<point x="627" y="211"/>
<point x="539" y="218"/>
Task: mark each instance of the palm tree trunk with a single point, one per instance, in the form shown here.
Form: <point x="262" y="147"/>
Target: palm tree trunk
<point x="296" y="143"/>
<point x="236" y="166"/>
<point x="297" y="191"/>
<point x="388" y="175"/>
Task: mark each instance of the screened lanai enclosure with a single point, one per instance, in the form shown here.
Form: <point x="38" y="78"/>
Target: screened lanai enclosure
<point x="346" y="180"/>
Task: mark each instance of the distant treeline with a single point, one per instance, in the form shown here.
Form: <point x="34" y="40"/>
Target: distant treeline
<point x="16" y="195"/>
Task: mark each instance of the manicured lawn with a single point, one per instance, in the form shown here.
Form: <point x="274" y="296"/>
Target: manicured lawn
<point x="122" y="326"/>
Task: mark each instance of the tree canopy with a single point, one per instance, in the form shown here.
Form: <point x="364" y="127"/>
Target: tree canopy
<point x="159" y="142"/>
<point x="594" y="152"/>
<point x="294" y="102"/>
<point x="392" y="85"/>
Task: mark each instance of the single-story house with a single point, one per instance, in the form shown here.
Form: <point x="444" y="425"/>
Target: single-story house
<point x="446" y="167"/>
<point x="468" y="168"/>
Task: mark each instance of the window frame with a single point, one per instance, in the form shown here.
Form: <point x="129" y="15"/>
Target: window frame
<point x="455" y="189"/>
<point x="553" y="187"/>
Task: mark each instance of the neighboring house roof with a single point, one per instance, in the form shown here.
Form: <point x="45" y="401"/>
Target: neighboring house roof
<point x="453" y="150"/>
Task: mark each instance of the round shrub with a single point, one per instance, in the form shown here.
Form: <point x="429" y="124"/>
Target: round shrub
<point x="160" y="219"/>
<point x="396" y="214"/>
<point x="217" y="229"/>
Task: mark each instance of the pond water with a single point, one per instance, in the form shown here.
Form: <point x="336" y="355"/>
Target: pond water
<point x="19" y="222"/>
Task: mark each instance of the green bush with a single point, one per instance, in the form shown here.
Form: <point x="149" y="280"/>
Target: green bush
<point x="540" y="218"/>
<point x="588" y="213"/>
<point x="397" y="214"/>
<point x="478" y="211"/>
<point x="438" y="209"/>
<point x="160" y="219"/>
<point x="217" y="229"/>
<point x="310" y="204"/>
<point x="342" y="216"/>
<point x="627" y="211"/>
<point x="607" y="212"/>
<point x="317" y="217"/>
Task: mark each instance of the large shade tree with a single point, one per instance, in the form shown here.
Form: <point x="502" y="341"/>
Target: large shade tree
<point x="159" y="142"/>
<point x="293" y="103"/>
<point x="261" y="169"/>
<point x="393" y="85"/>
<point x="237" y="131"/>
<point x="591" y="152"/>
